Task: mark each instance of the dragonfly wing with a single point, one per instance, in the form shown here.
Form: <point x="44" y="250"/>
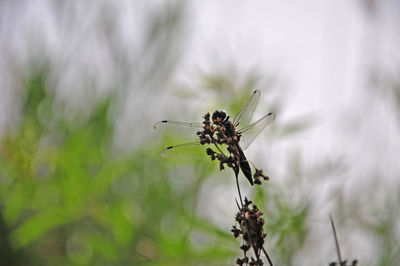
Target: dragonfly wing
<point x="243" y="118"/>
<point x="179" y="129"/>
<point x="192" y="150"/>
<point x="250" y="132"/>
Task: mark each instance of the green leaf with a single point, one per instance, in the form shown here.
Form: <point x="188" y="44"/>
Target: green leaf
<point x="38" y="225"/>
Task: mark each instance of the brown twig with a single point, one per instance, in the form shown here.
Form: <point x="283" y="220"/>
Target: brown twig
<point x="238" y="188"/>
<point x="266" y="255"/>
<point x="336" y="240"/>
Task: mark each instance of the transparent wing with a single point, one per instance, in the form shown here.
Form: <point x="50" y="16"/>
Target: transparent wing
<point x="179" y="129"/>
<point x="243" y="118"/>
<point x="252" y="131"/>
<point x="193" y="150"/>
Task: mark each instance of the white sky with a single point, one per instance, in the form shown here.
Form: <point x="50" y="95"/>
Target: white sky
<point x="322" y="52"/>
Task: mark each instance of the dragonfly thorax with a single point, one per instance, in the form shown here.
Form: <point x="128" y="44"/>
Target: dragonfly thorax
<point x="230" y="130"/>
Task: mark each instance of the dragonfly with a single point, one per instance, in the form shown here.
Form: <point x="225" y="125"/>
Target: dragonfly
<point x="244" y="131"/>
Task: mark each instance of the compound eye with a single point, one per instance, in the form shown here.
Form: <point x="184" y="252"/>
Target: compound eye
<point x="215" y="115"/>
<point x="222" y="115"/>
<point x="218" y="114"/>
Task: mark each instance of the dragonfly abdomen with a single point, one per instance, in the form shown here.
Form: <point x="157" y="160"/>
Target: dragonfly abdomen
<point x="245" y="166"/>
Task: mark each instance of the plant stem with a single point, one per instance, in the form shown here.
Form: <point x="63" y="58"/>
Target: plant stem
<point x="336" y="240"/>
<point x="238" y="188"/>
<point x="215" y="144"/>
<point x="268" y="258"/>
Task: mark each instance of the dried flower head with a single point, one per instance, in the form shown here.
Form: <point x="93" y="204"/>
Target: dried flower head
<point x="250" y="222"/>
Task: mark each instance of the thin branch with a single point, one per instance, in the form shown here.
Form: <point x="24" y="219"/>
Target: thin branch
<point x="336" y="240"/>
<point x="237" y="204"/>
<point x="266" y="255"/>
<point x="238" y="188"/>
<point x="215" y="144"/>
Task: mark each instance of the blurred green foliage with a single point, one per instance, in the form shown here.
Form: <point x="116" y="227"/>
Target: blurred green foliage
<point x="66" y="198"/>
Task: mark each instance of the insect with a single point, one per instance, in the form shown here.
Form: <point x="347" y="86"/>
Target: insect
<point x="242" y="138"/>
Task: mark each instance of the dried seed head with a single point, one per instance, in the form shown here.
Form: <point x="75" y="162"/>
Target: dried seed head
<point x="235" y="231"/>
<point x="250" y="220"/>
<point x="245" y="260"/>
<point x="257" y="174"/>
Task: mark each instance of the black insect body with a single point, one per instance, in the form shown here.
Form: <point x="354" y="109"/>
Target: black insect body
<point x="220" y="117"/>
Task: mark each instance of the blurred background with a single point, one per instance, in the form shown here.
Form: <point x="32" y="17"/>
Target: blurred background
<point x="82" y="83"/>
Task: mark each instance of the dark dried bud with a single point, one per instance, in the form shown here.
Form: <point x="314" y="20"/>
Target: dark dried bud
<point x="255" y="262"/>
<point x="259" y="173"/>
<point x="245" y="247"/>
<point x="210" y="151"/>
<point x="236" y="232"/>
<point x="245" y="236"/>
<point x="221" y="157"/>
<point x="247" y="202"/>
<point x="240" y="261"/>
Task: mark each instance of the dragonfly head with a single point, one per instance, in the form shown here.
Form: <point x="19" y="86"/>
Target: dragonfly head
<point x="219" y="116"/>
